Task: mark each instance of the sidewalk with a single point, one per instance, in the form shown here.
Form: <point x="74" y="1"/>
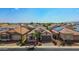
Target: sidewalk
<point x="40" y="47"/>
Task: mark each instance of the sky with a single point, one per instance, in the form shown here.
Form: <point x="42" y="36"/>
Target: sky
<point x="40" y="15"/>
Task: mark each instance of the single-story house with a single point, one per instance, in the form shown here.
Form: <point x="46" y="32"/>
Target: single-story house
<point x="41" y="34"/>
<point x="69" y="34"/>
<point x="9" y="33"/>
<point x="65" y="34"/>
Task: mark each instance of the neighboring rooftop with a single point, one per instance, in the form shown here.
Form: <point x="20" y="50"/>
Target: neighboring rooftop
<point x="58" y="28"/>
<point x="39" y="29"/>
<point x="14" y="28"/>
<point x="76" y="28"/>
<point x="66" y="31"/>
<point x="69" y="31"/>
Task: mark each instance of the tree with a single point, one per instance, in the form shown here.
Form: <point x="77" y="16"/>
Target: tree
<point x="38" y="36"/>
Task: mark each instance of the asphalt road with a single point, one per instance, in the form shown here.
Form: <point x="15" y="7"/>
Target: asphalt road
<point x="39" y="49"/>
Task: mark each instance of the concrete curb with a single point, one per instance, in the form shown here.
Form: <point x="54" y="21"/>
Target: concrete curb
<point x="40" y="47"/>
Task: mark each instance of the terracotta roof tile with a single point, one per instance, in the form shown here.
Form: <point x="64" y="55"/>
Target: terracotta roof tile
<point x="66" y="30"/>
<point x="69" y="31"/>
<point x="40" y="29"/>
<point x="18" y="29"/>
<point x="21" y="30"/>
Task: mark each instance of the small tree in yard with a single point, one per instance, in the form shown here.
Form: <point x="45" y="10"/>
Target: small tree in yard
<point x="38" y="35"/>
<point x="22" y="41"/>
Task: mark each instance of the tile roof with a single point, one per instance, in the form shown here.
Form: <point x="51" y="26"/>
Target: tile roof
<point x="41" y="28"/>
<point x="66" y="31"/>
<point x="69" y="31"/>
<point x="54" y="31"/>
<point x="18" y="29"/>
<point x="21" y="30"/>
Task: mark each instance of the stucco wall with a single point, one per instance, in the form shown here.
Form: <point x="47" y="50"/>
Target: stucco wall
<point x="66" y="36"/>
<point x="16" y="37"/>
<point x="76" y="37"/>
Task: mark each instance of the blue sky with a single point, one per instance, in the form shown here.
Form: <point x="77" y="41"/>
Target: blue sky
<point x="16" y="15"/>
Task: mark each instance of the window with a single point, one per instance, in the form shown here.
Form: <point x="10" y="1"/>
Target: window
<point x="4" y="36"/>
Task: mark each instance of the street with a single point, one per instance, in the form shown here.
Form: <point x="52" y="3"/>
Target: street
<point x="39" y="49"/>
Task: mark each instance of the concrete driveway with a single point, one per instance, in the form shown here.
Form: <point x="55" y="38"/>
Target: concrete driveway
<point x="48" y="44"/>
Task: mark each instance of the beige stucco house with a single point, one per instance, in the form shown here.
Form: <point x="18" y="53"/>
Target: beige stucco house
<point x="45" y="35"/>
<point x="13" y="33"/>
